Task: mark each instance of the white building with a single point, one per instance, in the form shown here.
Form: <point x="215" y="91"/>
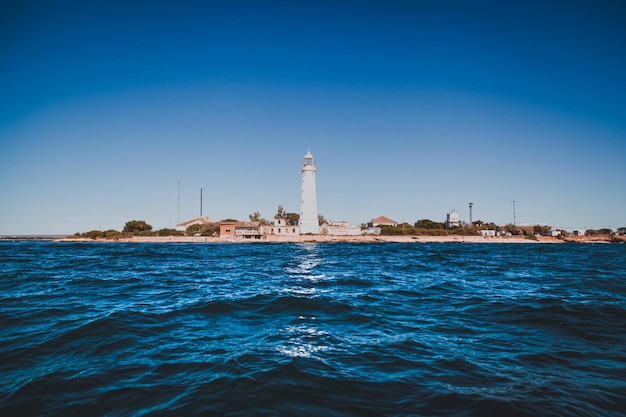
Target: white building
<point x="181" y="227"/>
<point x="452" y="219"/>
<point x="309" y="223"/>
<point x="281" y="228"/>
<point x="340" y="229"/>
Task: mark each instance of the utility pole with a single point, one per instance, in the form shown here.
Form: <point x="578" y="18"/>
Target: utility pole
<point x="200" y="202"/>
<point x="514" y="216"/>
<point x="178" y="222"/>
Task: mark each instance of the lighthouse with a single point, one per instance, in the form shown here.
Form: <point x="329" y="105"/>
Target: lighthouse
<point x="308" y="203"/>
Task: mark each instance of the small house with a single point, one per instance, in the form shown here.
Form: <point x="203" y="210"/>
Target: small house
<point x="382" y="221"/>
<point x="181" y="227"/>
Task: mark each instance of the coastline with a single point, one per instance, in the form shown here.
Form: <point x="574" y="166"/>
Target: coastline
<point x="350" y="239"/>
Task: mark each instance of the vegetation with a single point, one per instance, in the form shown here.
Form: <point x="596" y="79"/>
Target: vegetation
<point x="256" y="217"/>
<point x="137" y="227"/>
<point x="292" y="219"/>
<point x="99" y="234"/>
<point x="541" y="230"/>
<point x="321" y="219"/>
<point x="169" y="232"/>
<point x="601" y="232"/>
<point x="426" y="227"/>
<point x="211" y="229"/>
<point x="429" y="224"/>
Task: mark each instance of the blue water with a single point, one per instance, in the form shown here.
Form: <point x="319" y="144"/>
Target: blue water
<point x="386" y="329"/>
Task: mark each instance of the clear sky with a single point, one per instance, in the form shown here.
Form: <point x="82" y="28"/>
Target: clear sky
<point x="411" y="109"/>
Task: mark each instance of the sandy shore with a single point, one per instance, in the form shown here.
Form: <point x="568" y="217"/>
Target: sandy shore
<point x="354" y="239"/>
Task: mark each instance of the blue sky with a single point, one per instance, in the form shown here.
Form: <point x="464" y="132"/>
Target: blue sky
<point x="411" y="109"/>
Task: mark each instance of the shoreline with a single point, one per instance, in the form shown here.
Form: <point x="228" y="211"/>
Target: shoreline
<point x="350" y="239"/>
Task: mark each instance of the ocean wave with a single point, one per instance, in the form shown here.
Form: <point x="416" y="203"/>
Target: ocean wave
<point x="310" y="329"/>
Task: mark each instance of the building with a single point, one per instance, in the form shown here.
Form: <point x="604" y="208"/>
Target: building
<point x="280" y="228"/>
<point x="555" y="233"/>
<point x="452" y="219"/>
<point x="487" y="232"/>
<point x="181" y="227"/>
<point x="340" y="229"/>
<point x="241" y="230"/>
<point x="309" y="223"/>
<point x="382" y="221"/>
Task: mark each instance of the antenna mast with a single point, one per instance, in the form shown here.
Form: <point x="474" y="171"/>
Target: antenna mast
<point x="200" y="202"/>
<point x="514" y="217"/>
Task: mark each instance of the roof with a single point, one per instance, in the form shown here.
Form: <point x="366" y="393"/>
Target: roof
<point x="203" y="220"/>
<point x="241" y="224"/>
<point x="247" y="224"/>
<point x="383" y="219"/>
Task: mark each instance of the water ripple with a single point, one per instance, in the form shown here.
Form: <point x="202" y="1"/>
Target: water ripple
<point x="312" y="329"/>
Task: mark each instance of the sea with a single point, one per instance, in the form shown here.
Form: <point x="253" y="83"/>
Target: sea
<point x="312" y="329"/>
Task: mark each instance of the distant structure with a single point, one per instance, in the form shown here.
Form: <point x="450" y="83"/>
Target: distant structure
<point x="342" y="228"/>
<point x="514" y="215"/>
<point x="470" y="210"/>
<point x="181" y="227"/>
<point x="309" y="224"/>
<point x="382" y="221"/>
<point x="281" y="226"/>
<point x="452" y="219"/>
<point x="240" y="230"/>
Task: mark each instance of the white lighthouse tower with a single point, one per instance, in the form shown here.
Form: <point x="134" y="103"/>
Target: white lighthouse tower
<point x="308" y="204"/>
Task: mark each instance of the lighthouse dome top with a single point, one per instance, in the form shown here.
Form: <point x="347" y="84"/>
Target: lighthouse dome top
<point x="308" y="159"/>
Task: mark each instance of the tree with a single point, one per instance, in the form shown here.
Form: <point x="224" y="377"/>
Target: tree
<point x="592" y="232"/>
<point x="211" y="229"/>
<point x="256" y="217"/>
<point x="321" y="219"/>
<point x="169" y="232"/>
<point x="292" y="218"/>
<point x="112" y="234"/>
<point x="193" y="229"/>
<point x="280" y="213"/>
<point x="509" y="228"/>
<point x="541" y="230"/>
<point x="429" y="224"/>
<point x="137" y="226"/>
<point x="94" y="234"/>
